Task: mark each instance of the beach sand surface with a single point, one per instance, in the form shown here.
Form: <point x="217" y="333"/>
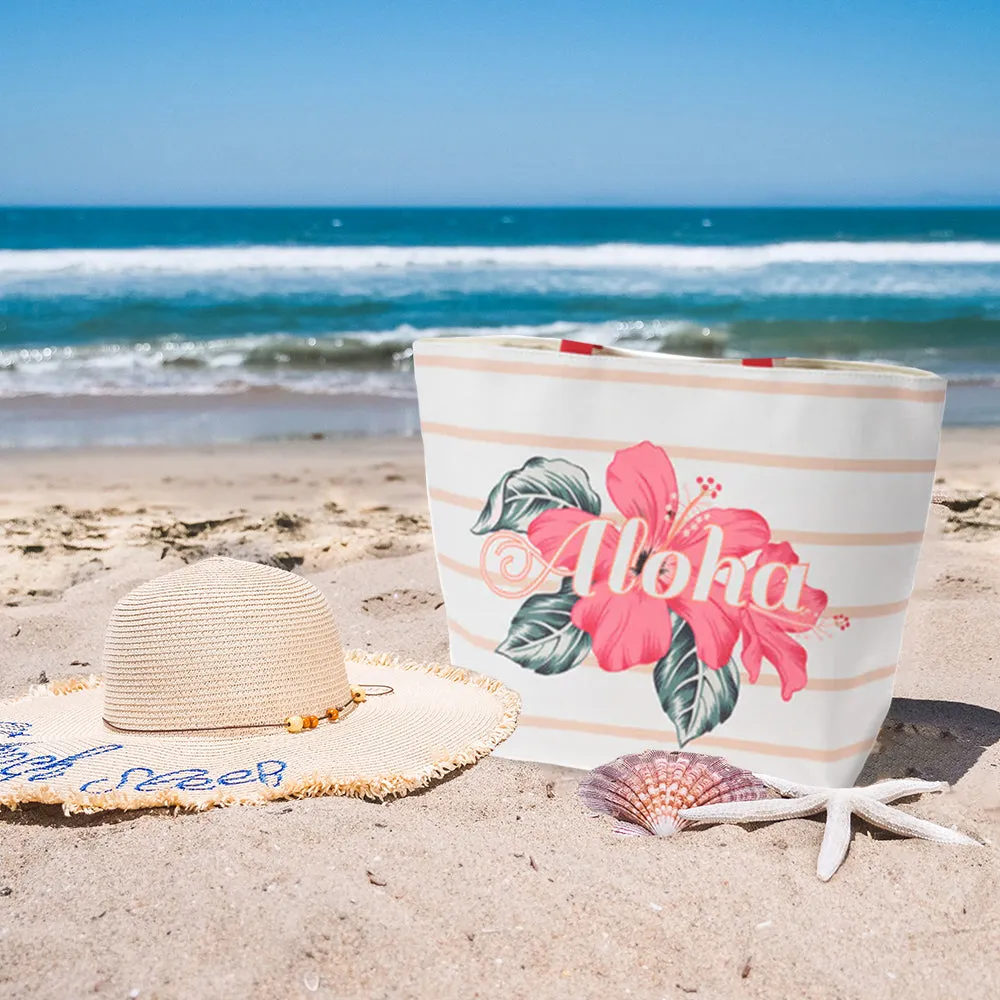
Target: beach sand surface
<point x="495" y="882"/>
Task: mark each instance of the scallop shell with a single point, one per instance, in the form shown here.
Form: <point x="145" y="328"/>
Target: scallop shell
<point x="646" y="791"/>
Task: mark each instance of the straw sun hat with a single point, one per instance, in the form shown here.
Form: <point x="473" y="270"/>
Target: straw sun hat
<point x="226" y="682"/>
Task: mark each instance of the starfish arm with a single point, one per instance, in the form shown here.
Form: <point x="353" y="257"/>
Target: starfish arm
<point x="786" y="787"/>
<point x="754" y="811"/>
<point x="896" y="821"/>
<point x="899" y="788"/>
<point x="836" y="836"/>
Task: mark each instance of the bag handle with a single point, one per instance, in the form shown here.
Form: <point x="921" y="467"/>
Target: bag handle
<point x="803" y="364"/>
<point x="578" y="347"/>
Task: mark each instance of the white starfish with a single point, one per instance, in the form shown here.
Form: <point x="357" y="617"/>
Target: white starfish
<point x="869" y="802"/>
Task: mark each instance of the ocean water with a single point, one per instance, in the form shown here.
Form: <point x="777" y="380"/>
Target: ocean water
<point x="155" y="302"/>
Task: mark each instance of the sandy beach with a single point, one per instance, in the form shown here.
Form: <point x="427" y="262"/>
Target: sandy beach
<point x="496" y="882"/>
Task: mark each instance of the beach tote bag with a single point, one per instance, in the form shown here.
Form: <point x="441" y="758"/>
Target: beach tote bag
<point x="661" y="551"/>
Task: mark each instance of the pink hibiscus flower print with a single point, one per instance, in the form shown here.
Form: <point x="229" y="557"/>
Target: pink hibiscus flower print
<point x="768" y="632"/>
<point x="635" y="627"/>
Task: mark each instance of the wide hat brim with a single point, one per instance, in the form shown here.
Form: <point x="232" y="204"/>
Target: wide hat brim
<point x="56" y="748"/>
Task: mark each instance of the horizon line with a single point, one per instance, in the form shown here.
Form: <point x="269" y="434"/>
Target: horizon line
<point x="539" y="206"/>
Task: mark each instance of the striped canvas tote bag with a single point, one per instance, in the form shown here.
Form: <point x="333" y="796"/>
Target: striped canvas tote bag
<point x="662" y="551"/>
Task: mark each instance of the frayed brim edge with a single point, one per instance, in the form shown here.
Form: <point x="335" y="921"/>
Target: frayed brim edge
<point x="378" y="788"/>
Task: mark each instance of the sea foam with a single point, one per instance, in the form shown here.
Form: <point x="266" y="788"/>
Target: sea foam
<point x="372" y="362"/>
<point x="221" y="260"/>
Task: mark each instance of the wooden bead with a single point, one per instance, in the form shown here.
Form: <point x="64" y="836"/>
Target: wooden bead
<point x="294" y="723"/>
<point x="332" y="714"/>
<point x="310" y="721"/>
<point x="357" y="695"/>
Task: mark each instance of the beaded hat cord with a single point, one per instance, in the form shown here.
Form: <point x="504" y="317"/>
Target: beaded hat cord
<point x="293" y="723"/>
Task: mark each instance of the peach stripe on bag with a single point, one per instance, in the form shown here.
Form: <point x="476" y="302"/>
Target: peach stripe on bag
<point x="764" y="680"/>
<point x="717" y="742"/>
<point x="795" y="537"/>
<point x="761" y="459"/>
<point x="861" y="611"/>
<point x="734" y="383"/>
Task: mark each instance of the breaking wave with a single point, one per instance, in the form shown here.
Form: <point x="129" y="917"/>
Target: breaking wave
<point x="203" y="261"/>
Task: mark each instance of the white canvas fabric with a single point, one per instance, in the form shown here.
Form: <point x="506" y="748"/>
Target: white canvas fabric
<point x="658" y="551"/>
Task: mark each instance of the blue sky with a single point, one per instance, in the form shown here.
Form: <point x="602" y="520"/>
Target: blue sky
<point x="500" y="102"/>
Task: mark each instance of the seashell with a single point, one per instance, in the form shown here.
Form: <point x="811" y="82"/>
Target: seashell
<point x="646" y="791"/>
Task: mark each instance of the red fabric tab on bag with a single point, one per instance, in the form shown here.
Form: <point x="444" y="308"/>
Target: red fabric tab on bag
<point x="758" y="362"/>
<point x="576" y="347"/>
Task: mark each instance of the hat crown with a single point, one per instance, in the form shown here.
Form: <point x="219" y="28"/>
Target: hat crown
<point x="221" y="643"/>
